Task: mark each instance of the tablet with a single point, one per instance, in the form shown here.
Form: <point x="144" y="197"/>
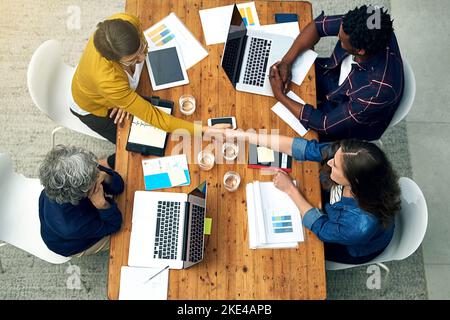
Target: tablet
<point x="166" y="68"/>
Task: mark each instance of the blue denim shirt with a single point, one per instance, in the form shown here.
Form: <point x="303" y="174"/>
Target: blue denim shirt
<point x="343" y="222"/>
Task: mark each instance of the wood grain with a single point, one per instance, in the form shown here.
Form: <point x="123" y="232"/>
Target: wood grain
<point x="230" y="270"/>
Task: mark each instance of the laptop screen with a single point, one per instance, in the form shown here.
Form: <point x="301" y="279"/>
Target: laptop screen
<point x="234" y="47"/>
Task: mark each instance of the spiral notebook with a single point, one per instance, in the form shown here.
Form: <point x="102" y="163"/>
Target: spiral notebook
<point x="145" y="138"/>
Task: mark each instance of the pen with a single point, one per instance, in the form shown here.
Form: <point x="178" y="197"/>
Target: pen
<point x="156" y="274"/>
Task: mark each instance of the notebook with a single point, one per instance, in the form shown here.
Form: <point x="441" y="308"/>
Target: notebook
<point x="264" y="158"/>
<point x="146" y="139"/>
<point x="166" y="172"/>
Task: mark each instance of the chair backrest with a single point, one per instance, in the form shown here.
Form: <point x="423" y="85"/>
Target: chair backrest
<point x="409" y="92"/>
<point x="410" y="227"/>
<point x="19" y="213"/>
<point x="49" y="83"/>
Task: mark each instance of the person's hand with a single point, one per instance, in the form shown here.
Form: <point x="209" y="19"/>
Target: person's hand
<point x="97" y="196"/>
<point x="276" y="83"/>
<point x="235" y="134"/>
<point x="285" y="71"/>
<point x="217" y="129"/>
<point x="119" y="114"/>
<point x="284" y="182"/>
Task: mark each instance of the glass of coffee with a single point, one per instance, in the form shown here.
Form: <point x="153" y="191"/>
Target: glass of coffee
<point x="187" y="104"/>
<point x="231" y="181"/>
<point x="206" y="160"/>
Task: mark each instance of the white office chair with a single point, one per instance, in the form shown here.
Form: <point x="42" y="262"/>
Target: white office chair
<point x="409" y="92"/>
<point x="410" y="227"/>
<point x="49" y="83"/>
<point x="19" y="213"/>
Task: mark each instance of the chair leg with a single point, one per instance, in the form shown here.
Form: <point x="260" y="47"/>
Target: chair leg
<point x="53" y="135"/>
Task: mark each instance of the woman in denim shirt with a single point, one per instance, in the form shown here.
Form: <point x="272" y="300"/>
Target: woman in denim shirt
<point x="357" y="224"/>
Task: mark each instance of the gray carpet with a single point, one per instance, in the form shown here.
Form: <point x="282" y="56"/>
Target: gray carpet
<point x="25" y="135"/>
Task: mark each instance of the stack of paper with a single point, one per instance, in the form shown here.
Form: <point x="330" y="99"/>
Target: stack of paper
<point x="273" y="218"/>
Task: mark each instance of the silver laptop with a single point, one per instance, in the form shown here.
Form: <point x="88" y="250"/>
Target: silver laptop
<point x="168" y="229"/>
<point x="249" y="54"/>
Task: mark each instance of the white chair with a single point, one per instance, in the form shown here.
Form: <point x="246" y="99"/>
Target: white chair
<point x="409" y="92"/>
<point x="49" y="83"/>
<point x="19" y="213"/>
<point x="410" y="227"/>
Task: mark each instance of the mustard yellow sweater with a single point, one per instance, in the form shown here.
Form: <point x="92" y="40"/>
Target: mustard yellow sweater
<point x="99" y="84"/>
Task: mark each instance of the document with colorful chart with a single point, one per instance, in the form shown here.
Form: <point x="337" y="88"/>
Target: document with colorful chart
<point x="274" y="220"/>
<point x="172" y="30"/>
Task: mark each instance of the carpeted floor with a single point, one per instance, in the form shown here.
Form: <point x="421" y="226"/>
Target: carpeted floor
<point x="25" y="136"/>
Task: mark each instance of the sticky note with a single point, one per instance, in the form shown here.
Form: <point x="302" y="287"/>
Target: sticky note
<point x="176" y="176"/>
<point x="265" y="155"/>
<point x="207" y="227"/>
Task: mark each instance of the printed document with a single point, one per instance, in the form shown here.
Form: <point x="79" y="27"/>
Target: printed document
<point x="135" y="283"/>
<point x="288" y="117"/>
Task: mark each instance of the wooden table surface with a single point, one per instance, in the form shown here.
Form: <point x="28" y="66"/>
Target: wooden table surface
<point x="230" y="270"/>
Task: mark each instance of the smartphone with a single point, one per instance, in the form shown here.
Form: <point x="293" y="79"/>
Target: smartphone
<point x="229" y="120"/>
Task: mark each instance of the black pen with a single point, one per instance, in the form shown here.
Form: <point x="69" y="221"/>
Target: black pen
<point x="156" y="274"/>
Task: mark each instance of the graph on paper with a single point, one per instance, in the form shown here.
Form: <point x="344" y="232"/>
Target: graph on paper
<point x="161" y="35"/>
<point x="247" y="16"/>
<point x="282" y="224"/>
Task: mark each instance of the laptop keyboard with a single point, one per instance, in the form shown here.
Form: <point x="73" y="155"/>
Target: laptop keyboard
<point x="196" y="239"/>
<point x="258" y="57"/>
<point x="166" y="237"/>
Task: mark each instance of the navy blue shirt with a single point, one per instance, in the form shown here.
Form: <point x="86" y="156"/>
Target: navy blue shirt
<point x="343" y="222"/>
<point x="67" y="229"/>
<point x="363" y="106"/>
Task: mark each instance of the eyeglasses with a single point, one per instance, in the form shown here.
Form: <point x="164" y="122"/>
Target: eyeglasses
<point x="143" y="50"/>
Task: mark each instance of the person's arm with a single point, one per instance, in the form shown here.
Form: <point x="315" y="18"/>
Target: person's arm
<point x="322" y="26"/>
<point x="112" y="181"/>
<point x="300" y="149"/>
<point x="343" y="230"/>
<point x="283" y="182"/>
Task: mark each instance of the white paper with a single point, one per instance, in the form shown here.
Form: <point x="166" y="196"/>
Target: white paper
<point x="134" y="284"/>
<point x="288" y="117"/>
<point x="171" y="29"/>
<point x="216" y="21"/>
<point x="265" y="154"/>
<point x="290" y="29"/>
<point x="176" y="176"/>
<point x="301" y="66"/>
<point x="145" y="134"/>
<point x="165" y="165"/>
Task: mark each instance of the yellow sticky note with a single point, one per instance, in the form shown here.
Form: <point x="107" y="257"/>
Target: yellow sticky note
<point x="265" y="155"/>
<point x="176" y="176"/>
<point x="207" y="227"/>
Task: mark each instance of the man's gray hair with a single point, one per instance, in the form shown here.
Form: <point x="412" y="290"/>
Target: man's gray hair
<point x="68" y="173"/>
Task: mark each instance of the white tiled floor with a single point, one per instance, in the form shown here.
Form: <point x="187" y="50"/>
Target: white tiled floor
<point x="422" y="29"/>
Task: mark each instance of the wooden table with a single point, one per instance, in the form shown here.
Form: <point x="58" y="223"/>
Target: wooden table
<point x="230" y="270"/>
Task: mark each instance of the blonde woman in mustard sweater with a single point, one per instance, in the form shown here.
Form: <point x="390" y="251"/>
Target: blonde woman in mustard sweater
<point x="104" y="83"/>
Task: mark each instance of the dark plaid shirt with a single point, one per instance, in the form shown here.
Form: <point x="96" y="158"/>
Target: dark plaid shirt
<point x="363" y="106"/>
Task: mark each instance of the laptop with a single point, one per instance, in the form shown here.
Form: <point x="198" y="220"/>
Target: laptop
<point x="168" y="229"/>
<point x="249" y="54"/>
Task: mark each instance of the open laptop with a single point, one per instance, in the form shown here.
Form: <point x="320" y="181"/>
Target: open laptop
<point x="168" y="229"/>
<point x="249" y="54"/>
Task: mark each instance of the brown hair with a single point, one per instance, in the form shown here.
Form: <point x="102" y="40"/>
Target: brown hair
<point x="373" y="181"/>
<point x="116" y="38"/>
